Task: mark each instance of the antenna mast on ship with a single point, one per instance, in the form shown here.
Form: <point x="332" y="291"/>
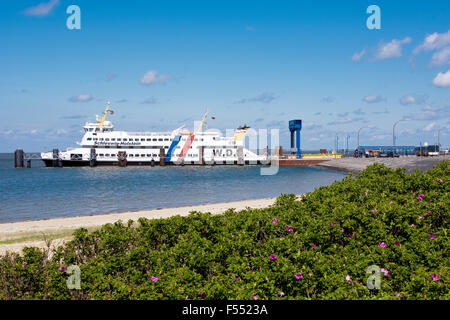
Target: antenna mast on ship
<point x="203" y="121"/>
<point x="101" y="122"/>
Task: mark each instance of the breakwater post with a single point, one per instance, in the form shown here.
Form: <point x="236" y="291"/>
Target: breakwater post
<point x="240" y="155"/>
<point x="162" y="157"/>
<point x="93" y="158"/>
<point x="201" y="156"/>
<point x="122" y="158"/>
<point x="57" y="163"/>
<point x="18" y="158"/>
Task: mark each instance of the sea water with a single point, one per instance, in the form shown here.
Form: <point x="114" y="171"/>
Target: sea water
<point x="42" y="193"/>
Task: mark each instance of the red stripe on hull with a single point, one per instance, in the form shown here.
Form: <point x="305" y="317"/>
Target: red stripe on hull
<point x="186" y="147"/>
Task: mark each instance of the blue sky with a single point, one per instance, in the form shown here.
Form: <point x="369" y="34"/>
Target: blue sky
<point x="162" y="63"/>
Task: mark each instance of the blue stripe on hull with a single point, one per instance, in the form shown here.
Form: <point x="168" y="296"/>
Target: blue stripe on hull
<point x="174" y="144"/>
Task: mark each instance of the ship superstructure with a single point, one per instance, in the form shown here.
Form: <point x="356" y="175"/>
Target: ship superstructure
<point x="103" y="145"/>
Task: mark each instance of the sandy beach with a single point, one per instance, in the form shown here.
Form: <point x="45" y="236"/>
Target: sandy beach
<point x="17" y="235"/>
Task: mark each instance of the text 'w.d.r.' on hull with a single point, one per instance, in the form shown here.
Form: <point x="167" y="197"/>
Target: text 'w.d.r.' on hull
<point x="103" y="145"/>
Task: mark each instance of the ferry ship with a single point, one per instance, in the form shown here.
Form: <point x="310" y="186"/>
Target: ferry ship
<point x="103" y="145"/>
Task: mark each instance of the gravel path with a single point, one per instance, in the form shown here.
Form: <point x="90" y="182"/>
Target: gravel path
<point x="357" y="165"/>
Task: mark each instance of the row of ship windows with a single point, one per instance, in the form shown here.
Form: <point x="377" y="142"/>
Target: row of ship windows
<point x="156" y="147"/>
<point x="130" y="139"/>
<point x="143" y="155"/>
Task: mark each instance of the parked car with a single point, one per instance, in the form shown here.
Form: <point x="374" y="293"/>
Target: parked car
<point x="431" y="150"/>
<point x="388" y="154"/>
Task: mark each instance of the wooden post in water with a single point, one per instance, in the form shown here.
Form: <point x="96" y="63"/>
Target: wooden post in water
<point x="122" y="158"/>
<point x="162" y="157"/>
<point x="29" y="163"/>
<point x="18" y="158"/>
<point x="201" y="157"/>
<point x="93" y="158"/>
<point x="240" y="155"/>
<point x="55" y="162"/>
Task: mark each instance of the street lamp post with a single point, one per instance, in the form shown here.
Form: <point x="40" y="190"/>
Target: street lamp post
<point x="393" y="135"/>
<point x="439" y="136"/>
<point x="346" y="147"/>
<point x="335" y="144"/>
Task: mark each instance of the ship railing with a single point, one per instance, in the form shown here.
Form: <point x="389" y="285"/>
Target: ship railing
<point x="149" y="134"/>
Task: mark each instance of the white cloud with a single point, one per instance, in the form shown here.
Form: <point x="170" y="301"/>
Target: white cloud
<point x="311" y="126"/>
<point x="61" y="131"/>
<point x="111" y="76"/>
<point x="264" y="97"/>
<point x="357" y="56"/>
<point x="431" y="113"/>
<point x="430" y="126"/>
<point x="442" y="80"/>
<point x="380" y="137"/>
<point x="412" y="99"/>
<point x="151" y="100"/>
<point x="441" y="57"/>
<point x="434" y="41"/>
<point x="373" y="99"/>
<point x="43" y="9"/>
<point x="328" y="99"/>
<point x="34" y="131"/>
<point x="81" y="98"/>
<point x="343" y="120"/>
<point x="359" y="112"/>
<point x="392" y="49"/>
<point x="152" y="77"/>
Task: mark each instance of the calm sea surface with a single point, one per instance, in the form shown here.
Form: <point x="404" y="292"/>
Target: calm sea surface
<point x="40" y="193"/>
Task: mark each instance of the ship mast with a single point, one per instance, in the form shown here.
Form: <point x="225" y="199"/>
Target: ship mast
<point x="104" y="115"/>
<point x="203" y="121"/>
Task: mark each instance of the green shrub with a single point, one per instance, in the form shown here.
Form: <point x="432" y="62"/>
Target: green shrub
<point x="327" y="239"/>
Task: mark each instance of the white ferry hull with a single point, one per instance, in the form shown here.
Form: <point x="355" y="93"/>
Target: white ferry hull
<point x="102" y="145"/>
